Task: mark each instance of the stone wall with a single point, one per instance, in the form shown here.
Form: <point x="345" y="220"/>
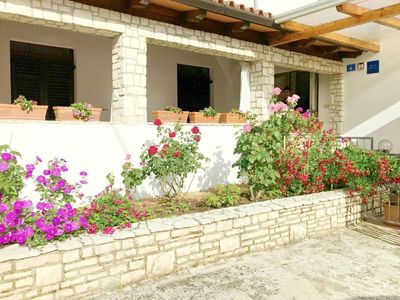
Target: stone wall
<point x="132" y="34"/>
<point x="89" y="264"/>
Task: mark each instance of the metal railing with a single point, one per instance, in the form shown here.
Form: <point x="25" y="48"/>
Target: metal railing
<point x="362" y="142"/>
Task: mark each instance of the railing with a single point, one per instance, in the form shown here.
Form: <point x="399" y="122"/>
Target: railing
<point x="363" y="142"/>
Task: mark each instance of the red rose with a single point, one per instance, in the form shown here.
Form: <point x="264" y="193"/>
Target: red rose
<point x="86" y="212"/>
<point x="176" y="154"/>
<point x="197" y="138"/>
<point x="195" y="130"/>
<point x="172" y="135"/>
<point x="93" y="228"/>
<point x="152" y="150"/>
<point x="108" y="230"/>
<point x="157" y="122"/>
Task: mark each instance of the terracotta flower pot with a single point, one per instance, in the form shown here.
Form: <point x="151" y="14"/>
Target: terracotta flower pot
<point x="170" y="116"/>
<point x="64" y="113"/>
<point x="198" y="117"/>
<point x="14" y="112"/>
<point x="231" y="118"/>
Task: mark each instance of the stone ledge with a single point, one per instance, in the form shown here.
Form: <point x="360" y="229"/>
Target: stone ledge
<point x="154" y="248"/>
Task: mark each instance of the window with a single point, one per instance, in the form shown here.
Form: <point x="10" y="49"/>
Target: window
<point x="42" y="73"/>
<point x="193" y="87"/>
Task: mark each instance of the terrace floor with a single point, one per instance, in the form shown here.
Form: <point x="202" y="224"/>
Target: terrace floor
<point x="345" y="264"/>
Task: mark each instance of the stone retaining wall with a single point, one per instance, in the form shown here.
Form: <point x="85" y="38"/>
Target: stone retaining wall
<point x="89" y="264"/>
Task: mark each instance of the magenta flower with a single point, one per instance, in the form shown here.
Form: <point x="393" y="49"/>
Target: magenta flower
<point x="56" y="172"/>
<point x="64" y="169"/>
<point x="299" y="109"/>
<point x="83" y="181"/>
<point x="46" y="172"/>
<point x="53" y="188"/>
<point x="40" y="223"/>
<point x="2" y="227"/>
<point x="68" y="190"/>
<point x="3" y="166"/>
<point x="84" y="222"/>
<point x="44" y="206"/>
<point x="56" y="221"/>
<point x="6" y="156"/>
<point x="83" y="173"/>
<point x="61" y="183"/>
<point x="38" y="159"/>
<point x="3" y="207"/>
<point x="28" y="174"/>
<point x="49" y="237"/>
<point x="30" y="167"/>
<point x="68" y="226"/>
<point x="41" y="179"/>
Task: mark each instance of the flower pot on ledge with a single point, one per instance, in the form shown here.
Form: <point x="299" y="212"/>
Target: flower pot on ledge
<point x="198" y="117"/>
<point x="64" y="113"/>
<point x="14" y="112"/>
<point x="170" y="116"/>
<point x="232" y="118"/>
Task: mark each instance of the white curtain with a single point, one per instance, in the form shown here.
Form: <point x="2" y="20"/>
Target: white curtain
<point x="244" y="86"/>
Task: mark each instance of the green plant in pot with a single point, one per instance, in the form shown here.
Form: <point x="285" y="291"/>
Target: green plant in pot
<point x="171" y="114"/>
<point x="206" y="115"/>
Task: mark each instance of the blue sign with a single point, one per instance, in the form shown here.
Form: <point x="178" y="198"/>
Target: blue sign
<point x="373" y="67"/>
<point x="351" y="67"/>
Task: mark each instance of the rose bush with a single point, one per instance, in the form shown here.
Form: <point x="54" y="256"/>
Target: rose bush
<point x="173" y="157"/>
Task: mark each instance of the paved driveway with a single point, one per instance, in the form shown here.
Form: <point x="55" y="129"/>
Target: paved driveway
<point x="342" y="265"/>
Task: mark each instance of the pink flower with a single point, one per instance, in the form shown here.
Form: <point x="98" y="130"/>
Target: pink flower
<point x="128" y="157"/>
<point x="172" y="135"/>
<point x="296" y="97"/>
<point x="195" y="130"/>
<point x="276" y="91"/>
<point x="3" y="166"/>
<point x="272" y="108"/>
<point x="291" y="100"/>
<point x="299" y="109"/>
<point x="307" y="114"/>
<point x="246" y="127"/>
<point x="6" y="156"/>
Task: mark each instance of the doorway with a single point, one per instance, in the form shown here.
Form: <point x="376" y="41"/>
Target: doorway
<point x="302" y="83"/>
<point x="193" y="87"/>
<point x="42" y="73"/>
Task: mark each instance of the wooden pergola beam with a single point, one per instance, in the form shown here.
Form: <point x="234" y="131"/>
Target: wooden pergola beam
<point x="238" y="26"/>
<point x="355" y="10"/>
<point x="334" y="38"/>
<point x="371" y="16"/>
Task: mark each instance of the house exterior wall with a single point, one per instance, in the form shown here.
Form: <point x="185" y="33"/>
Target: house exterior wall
<point x="92" y="56"/>
<point x="162" y="75"/>
<point x="131" y="35"/>
<point x="372" y="106"/>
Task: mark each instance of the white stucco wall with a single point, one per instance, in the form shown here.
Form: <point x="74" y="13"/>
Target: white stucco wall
<point x="162" y="85"/>
<point x="93" y="73"/>
<point x="101" y="148"/>
<point x="372" y="102"/>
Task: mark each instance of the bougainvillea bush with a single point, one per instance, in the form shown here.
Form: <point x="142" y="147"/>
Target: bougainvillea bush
<point x="173" y="158"/>
<point x="12" y="175"/>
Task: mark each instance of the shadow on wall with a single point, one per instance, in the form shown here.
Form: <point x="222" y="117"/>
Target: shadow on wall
<point x="216" y="171"/>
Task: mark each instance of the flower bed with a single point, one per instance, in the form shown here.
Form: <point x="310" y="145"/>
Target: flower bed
<point x="92" y="263"/>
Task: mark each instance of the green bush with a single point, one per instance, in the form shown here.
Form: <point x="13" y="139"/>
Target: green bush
<point x="227" y="195"/>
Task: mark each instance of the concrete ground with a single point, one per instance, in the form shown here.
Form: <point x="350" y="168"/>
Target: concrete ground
<point x="344" y="264"/>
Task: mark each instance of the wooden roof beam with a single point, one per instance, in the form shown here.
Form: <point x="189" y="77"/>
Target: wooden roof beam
<point x="371" y="16"/>
<point x="194" y="16"/>
<point x="238" y="26"/>
<point x="355" y="10"/>
<point x="137" y="3"/>
<point x="333" y="38"/>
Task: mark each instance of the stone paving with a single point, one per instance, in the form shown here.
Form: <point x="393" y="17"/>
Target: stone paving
<point x="342" y="265"/>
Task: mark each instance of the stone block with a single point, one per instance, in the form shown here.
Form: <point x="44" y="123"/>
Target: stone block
<point x="48" y="275"/>
<point x="160" y="264"/>
<point x="133" y="276"/>
<point x="229" y="244"/>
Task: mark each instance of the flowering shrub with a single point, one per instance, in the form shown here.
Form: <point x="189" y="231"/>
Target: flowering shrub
<point x="172" y="158"/>
<point x="227" y="195"/>
<point x="82" y="111"/>
<point x="11" y="175"/>
<point x="132" y="177"/>
<point x="25" y="104"/>
<point x="22" y="225"/>
<point x="54" y="188"/>
<point x="111" y="209"/>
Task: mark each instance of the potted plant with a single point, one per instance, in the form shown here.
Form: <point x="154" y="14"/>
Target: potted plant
<point x="23" y="109"/>
<point x="77" y="112"/>
<point x="206" y="115"/>
<point x="391" y="208"/>
<point x="171" y="114"/>
<point x="236" y="116"/>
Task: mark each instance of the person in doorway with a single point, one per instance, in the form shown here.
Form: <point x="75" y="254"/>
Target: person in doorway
<point x="286" y="93"/>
